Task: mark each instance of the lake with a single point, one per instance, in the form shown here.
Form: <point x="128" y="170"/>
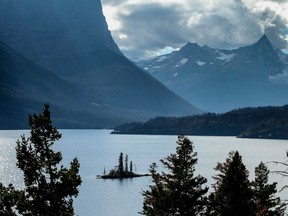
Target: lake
<point x="98" y="150"/>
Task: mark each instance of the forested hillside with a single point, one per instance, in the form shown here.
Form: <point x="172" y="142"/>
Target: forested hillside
<point x="262" y="122"/>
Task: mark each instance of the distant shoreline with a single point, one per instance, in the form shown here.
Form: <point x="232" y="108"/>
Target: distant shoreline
<point x="269" y="122"/>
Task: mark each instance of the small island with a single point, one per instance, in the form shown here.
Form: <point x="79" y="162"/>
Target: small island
<point x="121" y="171"/>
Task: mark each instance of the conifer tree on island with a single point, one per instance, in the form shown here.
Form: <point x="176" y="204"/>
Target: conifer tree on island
<point x="49" y="188"/>
<point x="121" y="171"/>
<point x="178" y="192"/>
<point x="121" y="166"/>
<point x="131" y="167"/>
<point x="126" y="163"/>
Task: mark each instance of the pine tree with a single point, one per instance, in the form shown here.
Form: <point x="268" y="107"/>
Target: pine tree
<point x="10" y="200"/>
<point x="49" y="188"/>
<point x="222" y="169"/>
<point x="120" y="166"/>
<point x="178" y="192"/>
<point x="233" y="194"/>
<point x="157" y="198"/>
<point x="264" y="194"/>
<point x="131" y="167"/>
<point x="126" y="163"/>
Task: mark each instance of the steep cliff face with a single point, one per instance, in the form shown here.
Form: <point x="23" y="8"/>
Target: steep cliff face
<point x="70" y="39"/>
<point x="59" y="35"/>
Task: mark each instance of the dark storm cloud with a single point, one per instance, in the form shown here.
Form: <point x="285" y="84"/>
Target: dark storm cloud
<point x="226" y="29"/>
<point x="275" y="28"/>
<point x="153" y="26"/>
<point x="149" y="27"/>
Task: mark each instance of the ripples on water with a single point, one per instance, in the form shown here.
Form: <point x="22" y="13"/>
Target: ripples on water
<point x="9" y="173"/>
<point x="97" y="149"/>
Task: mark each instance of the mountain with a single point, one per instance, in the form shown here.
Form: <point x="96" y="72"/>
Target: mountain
<point x="25" y="87"/>
<point x="63" y="36"/>
<point x="221" y="80"/>
<point x="61" y="52"/>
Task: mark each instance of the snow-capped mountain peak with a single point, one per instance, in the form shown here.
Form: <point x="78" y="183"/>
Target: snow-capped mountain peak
<point x="220" y="80"/>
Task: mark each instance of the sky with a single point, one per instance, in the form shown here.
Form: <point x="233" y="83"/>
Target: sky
<point x="146" y="28"/>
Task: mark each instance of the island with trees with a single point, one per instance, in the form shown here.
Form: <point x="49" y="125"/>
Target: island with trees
<point x="122" y="171"/>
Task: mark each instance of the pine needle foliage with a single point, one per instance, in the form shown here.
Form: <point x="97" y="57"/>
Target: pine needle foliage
<point x="179" y="191"/>
<point x="233" y="194"/>
<point x="49" y="187"/>
<point x="267" y="204"/>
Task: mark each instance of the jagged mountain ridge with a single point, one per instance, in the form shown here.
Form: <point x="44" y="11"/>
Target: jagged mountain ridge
<point x="221" y="80"/>
<point x="71" y="40"/>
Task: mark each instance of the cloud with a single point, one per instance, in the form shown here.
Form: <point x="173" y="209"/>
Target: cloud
<point x="152" y="26"/>
<point x="275" y="27"/>
<point x="144" y="28"/>
<point x="113" y="2"/>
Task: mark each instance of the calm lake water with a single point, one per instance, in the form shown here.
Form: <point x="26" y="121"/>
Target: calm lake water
<point x="98" y="149"/>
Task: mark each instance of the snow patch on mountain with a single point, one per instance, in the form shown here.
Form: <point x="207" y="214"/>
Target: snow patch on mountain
<point x="156" y="67"/>
<point x="200" y="63"/>
<point x="281" y="78"/>
<point x="225" y="57"/>
<point x="95" y="104"/>
<point x="161" y="58"/>
<point x="182" y="62"/>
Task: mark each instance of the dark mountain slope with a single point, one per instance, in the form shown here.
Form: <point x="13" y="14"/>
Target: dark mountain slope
<point x="118" y="82"/>
<point x="58" y="35"/>
<point x="30" y="81"/>
<point x="24" y="87"/>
